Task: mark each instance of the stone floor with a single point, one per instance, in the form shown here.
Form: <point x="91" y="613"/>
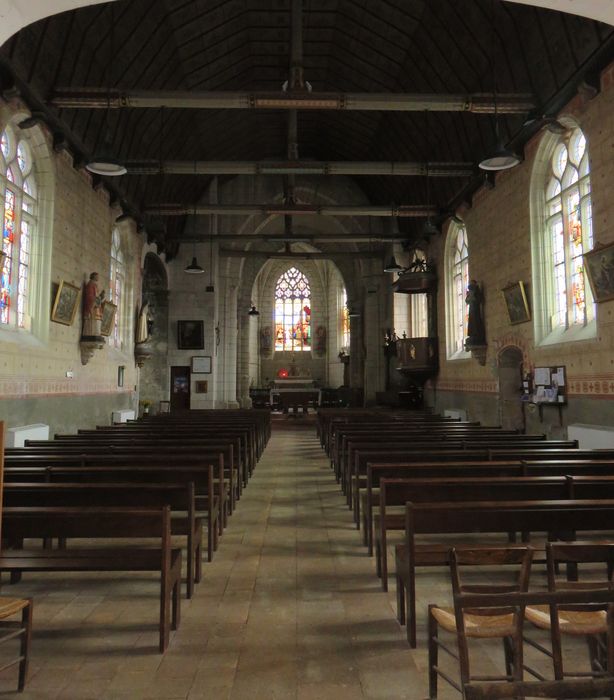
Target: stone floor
<point x="289" y="608"/>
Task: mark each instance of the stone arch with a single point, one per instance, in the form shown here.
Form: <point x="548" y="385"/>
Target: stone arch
<point x="242" y="272"/>
<point x="154" y="375"/>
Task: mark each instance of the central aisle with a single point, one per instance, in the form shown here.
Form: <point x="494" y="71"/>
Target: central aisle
<point x="295" y="607"/>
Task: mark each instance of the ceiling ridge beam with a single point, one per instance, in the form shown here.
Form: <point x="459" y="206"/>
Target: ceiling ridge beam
<point x="306" y="167"/>
<point x="108" y="98"/>
<point x="403" y="210"/>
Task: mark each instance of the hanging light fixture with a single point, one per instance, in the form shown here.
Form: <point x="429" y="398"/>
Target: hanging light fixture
<point x="502" y="158"/>
<point x="104" y="162"/>
<point x="253" y="311"/>
<point x="194" y="268"/>
<point x="210" y="288"/>
<point x="393" y="266"/>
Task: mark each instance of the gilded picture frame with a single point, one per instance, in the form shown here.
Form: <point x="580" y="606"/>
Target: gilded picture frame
<point x="516" y="303"/>
<point x="65" y="303"/>
<point x="599" y="266"/>
<point x="108" y="318"/>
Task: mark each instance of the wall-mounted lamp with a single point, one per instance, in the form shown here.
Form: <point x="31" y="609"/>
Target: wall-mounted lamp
<point x="253" y="311"/>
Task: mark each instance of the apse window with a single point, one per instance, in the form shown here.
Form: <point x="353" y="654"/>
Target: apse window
<point x="292" y="312"/>
<point x="567" y="309"/>
<point x="19" y="224"/>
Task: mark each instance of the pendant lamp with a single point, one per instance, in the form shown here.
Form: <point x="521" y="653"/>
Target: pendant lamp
<point x="194" y="268"/>
<point x="104" y="162"/>
<point x="502" y="158"/>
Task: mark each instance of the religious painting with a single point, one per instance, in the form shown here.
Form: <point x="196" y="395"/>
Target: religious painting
<point x="108" y="318"/>
<point x="190" y="335"/>
<point x="201" y="387"/>
<point x="517" y="303"/>
<point x="599" y="265"/>
<point x="65" y="303"/>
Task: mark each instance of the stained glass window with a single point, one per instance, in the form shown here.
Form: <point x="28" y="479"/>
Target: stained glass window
<point x="116" y="291"/>
<point x="459" y="269"/>
<point x="569" y="231"/>
<point x="345" y="322"/>
<point x="18" y="188"/>
<point x="293" y="312"/>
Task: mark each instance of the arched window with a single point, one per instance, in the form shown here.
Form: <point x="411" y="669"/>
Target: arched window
<point x="345" y="322"/>
<point x="292" y="311"/>
<point x="117" y="285"/>
<point x="18" y="185"/>
<point x="457" y="279"/>
<point x="563" y="232"/>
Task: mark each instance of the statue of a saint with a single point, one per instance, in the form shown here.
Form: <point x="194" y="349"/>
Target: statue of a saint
<point x="476" y="333"/>
<point x="92" y="307"/>
<point x="143" y="324"/>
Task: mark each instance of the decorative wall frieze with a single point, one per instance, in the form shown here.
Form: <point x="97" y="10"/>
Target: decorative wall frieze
<point x="39" y="388"/>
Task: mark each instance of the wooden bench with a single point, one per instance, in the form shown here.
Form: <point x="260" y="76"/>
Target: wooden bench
<point x="219" y="487"/>
<point x="206" y="500"/>
<point x="91" y="455"/>
<point x="180" y="498"/>
<point x="21" y="523"/>
<point x="559" y="518"/>
<point x="375" y="472"/>
<point x="525" y="456"/>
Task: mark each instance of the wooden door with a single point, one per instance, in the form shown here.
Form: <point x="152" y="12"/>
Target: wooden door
<point x="180" y="388"/>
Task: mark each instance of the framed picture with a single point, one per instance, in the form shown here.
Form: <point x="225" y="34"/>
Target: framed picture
<point x="65" y="303"/>
<point x="190" y="335"/>
<point x="516" y="301"/>
<point x="201" y="365"/>
<point x="108" y="318"/>
<point x="201" y="387"/>
<point x="599" y="264"/>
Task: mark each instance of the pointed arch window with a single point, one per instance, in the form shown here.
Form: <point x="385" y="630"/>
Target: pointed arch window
<point x="345" y="321"/>
<point x="19" y="221"/>
<point x="293" y="312"/>
<point x="457" y="279"/>
<point x="568" y="232"/>
<point x="117" y="286"/>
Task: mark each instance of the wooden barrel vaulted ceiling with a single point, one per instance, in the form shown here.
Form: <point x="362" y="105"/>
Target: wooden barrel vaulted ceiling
<point x="348" y="46"/>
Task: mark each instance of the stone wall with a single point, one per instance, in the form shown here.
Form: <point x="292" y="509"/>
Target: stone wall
<point x="43" y="369"/>
<point x="500" y="249"/>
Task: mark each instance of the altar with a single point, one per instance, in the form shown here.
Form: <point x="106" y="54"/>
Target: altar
<point x="295" y="391"/>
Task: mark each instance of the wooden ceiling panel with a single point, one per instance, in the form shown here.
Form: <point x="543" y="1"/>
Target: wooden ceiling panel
<point x="348" y="46"/>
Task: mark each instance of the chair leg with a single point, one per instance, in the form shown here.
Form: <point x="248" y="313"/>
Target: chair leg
<point x="26" y="638"/>
<point x="433" y="653"/>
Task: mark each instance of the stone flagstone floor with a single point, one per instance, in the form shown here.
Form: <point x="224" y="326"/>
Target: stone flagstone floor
<point x="290" y="608"/>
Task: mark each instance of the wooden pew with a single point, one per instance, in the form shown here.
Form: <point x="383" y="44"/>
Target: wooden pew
<point x="145" y="453"/>
<point x="523" y="455"/>
<point x="205" y="498"/>
<point x="137" y="458"/>
<point x="557" y="517"/>
<point x="375" y="472"/>
<point x="350" y="469"/>
<point x="179" y="497"/>
<point x="21" y="523"/>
